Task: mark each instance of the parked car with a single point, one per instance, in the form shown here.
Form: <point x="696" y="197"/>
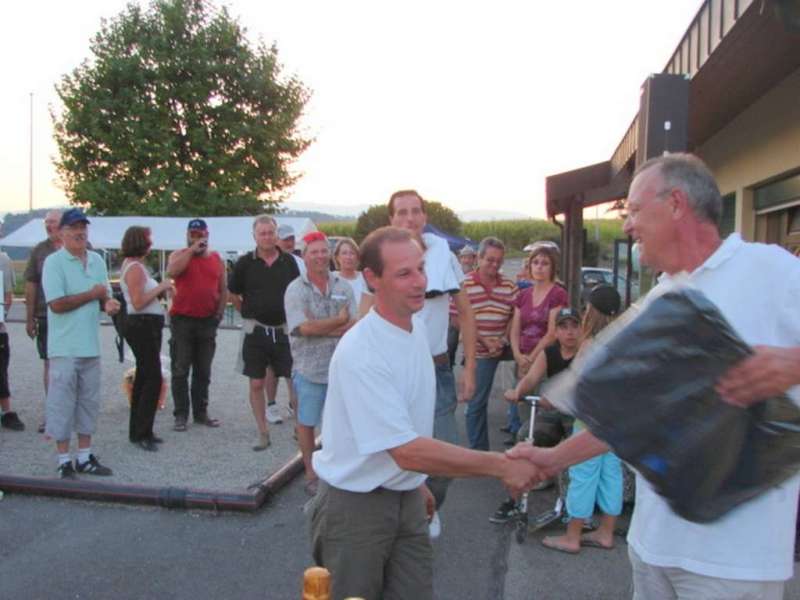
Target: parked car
<point x="591" y="276"/>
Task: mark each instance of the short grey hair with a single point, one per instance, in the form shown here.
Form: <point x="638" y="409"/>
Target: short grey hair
<point x="691" y="175"/>
<point x="490" y="242"/>
<point x="264" y="219"/>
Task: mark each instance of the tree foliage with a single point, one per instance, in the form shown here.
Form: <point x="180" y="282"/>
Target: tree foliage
<point x="178" y="114"/>
<point x="439" y="216"/>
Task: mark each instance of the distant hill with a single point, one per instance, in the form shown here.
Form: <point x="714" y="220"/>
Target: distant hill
<point x="316" y="216"/>
<point x="468" y="216"/>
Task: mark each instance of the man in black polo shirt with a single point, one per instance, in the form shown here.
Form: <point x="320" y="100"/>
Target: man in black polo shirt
<point x="257" y="285"/>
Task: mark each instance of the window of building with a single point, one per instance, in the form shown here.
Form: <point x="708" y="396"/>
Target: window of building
<point x="727" y="224"/>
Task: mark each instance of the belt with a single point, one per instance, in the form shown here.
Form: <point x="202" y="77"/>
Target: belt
<point x="441" y="360"/>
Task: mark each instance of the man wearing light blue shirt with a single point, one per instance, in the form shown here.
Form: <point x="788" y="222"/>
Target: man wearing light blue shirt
<point x="76" y="288"/>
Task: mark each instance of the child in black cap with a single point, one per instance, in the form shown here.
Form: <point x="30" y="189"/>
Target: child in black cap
<point x="597" y="481"/>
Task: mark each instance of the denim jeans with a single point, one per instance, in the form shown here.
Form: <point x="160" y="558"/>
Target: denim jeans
<point x="191" y="347"/>
<point x="444" y="424"/>
<point x="477" y="426"/>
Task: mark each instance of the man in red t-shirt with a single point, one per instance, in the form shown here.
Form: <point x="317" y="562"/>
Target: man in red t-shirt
<point x="197" y="309"/>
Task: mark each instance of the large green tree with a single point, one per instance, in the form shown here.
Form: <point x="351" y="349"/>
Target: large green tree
<point x="438" y="215"/>
<point x="177" y="113"/>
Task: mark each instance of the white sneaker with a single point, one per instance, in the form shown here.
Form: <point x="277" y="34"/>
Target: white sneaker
<point x="435" y="526"/>
<point x="274" y="414"/>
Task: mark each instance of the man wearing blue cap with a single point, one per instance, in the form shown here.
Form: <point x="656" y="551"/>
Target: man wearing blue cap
<point x="76" y="289"/>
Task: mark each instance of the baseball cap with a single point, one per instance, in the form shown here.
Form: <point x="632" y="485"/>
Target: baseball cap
<point x="197" y="225"/>
<point x="467" y="250"/>
<point x="72" y="216"/>
<point x="605" y="299"/>
<point x="565" y="314"/>
<point x="314" y="236"/>
<point x="285" y="231"/>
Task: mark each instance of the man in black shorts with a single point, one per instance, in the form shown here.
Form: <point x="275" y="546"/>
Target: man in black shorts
<point x="257" y="285"/>
<point x="35" y="306"/>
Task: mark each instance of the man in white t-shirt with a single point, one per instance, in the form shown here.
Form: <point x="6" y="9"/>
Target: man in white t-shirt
<point x="444" y="276"/>
<point x="674" y="207"/>
<point x="369" y="519"/>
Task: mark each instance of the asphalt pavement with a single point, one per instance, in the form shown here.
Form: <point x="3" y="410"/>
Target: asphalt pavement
<point x="75" y="549"/>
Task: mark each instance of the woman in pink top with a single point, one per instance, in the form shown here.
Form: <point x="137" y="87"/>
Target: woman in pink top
<point x="533" y="323"/>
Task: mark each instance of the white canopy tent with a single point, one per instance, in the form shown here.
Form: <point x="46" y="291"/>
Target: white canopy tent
<point x="226" y="234"/>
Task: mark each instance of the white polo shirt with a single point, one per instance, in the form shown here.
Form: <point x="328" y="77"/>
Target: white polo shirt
<point x="757" y="289"/>
<point x="381" y="395"/>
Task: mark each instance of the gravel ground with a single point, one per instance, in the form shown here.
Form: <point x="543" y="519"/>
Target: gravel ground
<point x="201" y="458"/>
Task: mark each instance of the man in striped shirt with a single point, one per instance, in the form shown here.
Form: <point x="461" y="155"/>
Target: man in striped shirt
<point x="492" y="298"/>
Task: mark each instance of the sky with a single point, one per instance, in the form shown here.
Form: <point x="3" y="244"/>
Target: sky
<point x="473" y="103"/>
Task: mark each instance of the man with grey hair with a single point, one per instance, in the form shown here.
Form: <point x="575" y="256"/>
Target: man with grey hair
<point x="257" y="285"/>
<point x="674" y="207"/>
<point x="492" y="296"/>
<point x="35" y="306"/>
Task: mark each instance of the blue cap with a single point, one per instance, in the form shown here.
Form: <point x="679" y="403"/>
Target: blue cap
<point x="72" y="216"/>
<point x="197" y="225"/>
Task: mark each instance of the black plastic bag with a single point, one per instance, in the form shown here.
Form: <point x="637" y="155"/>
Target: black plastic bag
<point x="648" y="392"/>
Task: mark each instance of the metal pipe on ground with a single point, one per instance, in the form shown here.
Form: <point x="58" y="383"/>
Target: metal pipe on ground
<point x="165" y="496"/>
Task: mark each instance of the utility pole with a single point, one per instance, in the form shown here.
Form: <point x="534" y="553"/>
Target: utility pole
<point x="30" y="164"/>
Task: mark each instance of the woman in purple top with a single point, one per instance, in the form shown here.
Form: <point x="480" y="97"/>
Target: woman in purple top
<point x="533" y="323"/>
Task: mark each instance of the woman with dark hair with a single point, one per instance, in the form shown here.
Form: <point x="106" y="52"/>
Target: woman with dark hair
<point x="143" y="328"/>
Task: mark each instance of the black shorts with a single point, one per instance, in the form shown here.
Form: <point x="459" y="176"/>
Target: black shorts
<point x="41" y="337"/>
<point x="5" y="354"/>
<point x="261" y="349"/>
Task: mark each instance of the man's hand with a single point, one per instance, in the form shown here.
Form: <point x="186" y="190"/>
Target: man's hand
<point x="99" y="291"/>
<point x="112" y="307"/>
<point x="542" y="458"/>
<point x="199" y="246"/>
<point x="769" y="372"/>
<point x="30" y="328"/>
<point x="430" y="501"/>
<point x="519" y="476"/>
<point x="511" y="395"/>
<point x="466" y="385"/>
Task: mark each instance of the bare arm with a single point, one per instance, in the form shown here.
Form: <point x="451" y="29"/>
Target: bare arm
<point x="30" y="306"/>
<point x="223" y="291"/>
<point x="571" y="451"/>
<point x="179" y="260"/>
<point x="8" y="300"/>
<point x="68" y="303"/>
<point x="531" y="379"/>
<point x="324" y="327"/>
<point x="427" y="455"/>
<point x="135" y="280"/>
<point x="469" y="338"/>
